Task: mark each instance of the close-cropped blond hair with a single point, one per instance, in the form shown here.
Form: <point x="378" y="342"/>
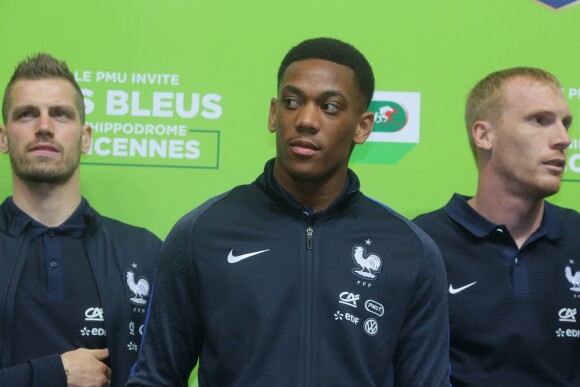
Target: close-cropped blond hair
<point x="486" y="100"/>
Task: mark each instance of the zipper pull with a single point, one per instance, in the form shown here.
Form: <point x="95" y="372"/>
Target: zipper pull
<point x="309" y="233"/>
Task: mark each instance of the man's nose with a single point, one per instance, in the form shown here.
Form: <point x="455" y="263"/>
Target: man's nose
<point x="562" y="139"/>
<point x="308" y="117"/>
<point x="44" y="125"/>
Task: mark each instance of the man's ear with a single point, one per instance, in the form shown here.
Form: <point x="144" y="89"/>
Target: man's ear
<point x="365" y="126"/>
<point x="3" y="139"/>
<point x="86" y="138"/>
<point x="272" y="115"/>
<point x="482" y="133"/>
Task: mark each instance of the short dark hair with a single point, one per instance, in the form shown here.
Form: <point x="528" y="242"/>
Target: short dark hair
<point x="42" y="66"/>
<point x="336" y="51"/>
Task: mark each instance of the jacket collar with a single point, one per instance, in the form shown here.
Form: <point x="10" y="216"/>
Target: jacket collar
<point x="459" y="210"/>
<point x="269" y="184"/>
<point x="14" y="221"/>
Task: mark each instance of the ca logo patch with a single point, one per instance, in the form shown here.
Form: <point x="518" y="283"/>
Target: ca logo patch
<point x="94" y="314"/>
<point x="349" y="299"/>
<point x="567" y="314"/>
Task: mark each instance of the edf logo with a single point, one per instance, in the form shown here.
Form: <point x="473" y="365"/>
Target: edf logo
<point x="557" y="4"/>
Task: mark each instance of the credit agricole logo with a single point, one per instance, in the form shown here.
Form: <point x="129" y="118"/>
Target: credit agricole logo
<point x="396" y="129"/>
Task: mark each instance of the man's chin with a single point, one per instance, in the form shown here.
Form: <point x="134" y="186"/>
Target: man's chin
<point x="309" y="176"/>
<point x="550" y="192"/>
<point x="44" y="176"/>
<point x="548" y="189"/>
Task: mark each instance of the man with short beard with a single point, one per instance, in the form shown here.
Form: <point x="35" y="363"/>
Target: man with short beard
<point x="511" y="256"/>
<point x="74" y="285"/>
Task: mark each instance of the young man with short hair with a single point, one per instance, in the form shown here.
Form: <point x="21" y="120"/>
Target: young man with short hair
<point x="298" y="279"/>
<point x="509" y="253"/>
<point x="74" y="284"/>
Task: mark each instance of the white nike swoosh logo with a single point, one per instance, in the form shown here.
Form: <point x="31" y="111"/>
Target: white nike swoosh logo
<point x="455" y="291"/>
<point x="233" y="258"/>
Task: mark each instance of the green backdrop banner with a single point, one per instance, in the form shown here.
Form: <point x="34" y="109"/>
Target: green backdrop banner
<point x="178" y="91"/>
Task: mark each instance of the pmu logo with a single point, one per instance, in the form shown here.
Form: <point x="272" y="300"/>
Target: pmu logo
<point x="396" y="128"/>
<point x="557" y="4"/>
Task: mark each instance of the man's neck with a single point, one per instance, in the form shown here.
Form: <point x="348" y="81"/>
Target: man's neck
<point x="312" y="197"/>
<point x="316" y="195"/>
<point x="48" y="204"/>
<point x="522" y="216"/>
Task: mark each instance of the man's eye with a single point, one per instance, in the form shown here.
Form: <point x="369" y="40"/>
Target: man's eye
<point x="25" y="115"/>
<point x="540" y="120"/>
<point x="291" y="102"/>
<point x="330" y="107"/>
<point x="567" y="123"/>
<point x="61" y="115"/>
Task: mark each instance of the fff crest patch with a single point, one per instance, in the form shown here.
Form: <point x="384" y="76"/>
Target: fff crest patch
<point x="573" y="277"/>
<point x="139" y="286"/>
<point x="369" y="264"/>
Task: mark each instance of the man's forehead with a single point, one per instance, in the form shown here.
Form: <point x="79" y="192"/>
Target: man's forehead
<point x="321" y="77"/>
<point x="526" y="85"/>
<point x="27" y="91"/>
<point x="319" y="67"/>
<point x="530" y="92"/>
<point x="44" y="83"/>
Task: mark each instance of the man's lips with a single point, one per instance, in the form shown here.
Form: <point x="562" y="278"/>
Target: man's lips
<point x="303" y="147"/>
<point x="557" y="164"/>
<point x="44" y="148"/>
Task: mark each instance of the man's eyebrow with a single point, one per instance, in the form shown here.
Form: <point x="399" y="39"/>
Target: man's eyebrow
<point x="545" y="112"/>
<point x="334" y="93"/>
<point x="291" y="89"/>
<point x="24" y="107"/>
<point x="21" y="108"/>
<point x="61" y="106"/>
<point x="326" y="94"/>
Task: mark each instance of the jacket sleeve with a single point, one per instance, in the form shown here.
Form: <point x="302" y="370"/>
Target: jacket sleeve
<point x="174" y="330"/>
<point x="46" y="372"/>
<point x="422" y="355"/>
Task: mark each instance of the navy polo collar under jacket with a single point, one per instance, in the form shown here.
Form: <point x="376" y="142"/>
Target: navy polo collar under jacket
<point x="459" y="210"/>
<point x="75" y="226"/>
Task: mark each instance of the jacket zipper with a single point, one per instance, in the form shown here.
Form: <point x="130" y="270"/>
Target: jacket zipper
<point x="308" y="332"/>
